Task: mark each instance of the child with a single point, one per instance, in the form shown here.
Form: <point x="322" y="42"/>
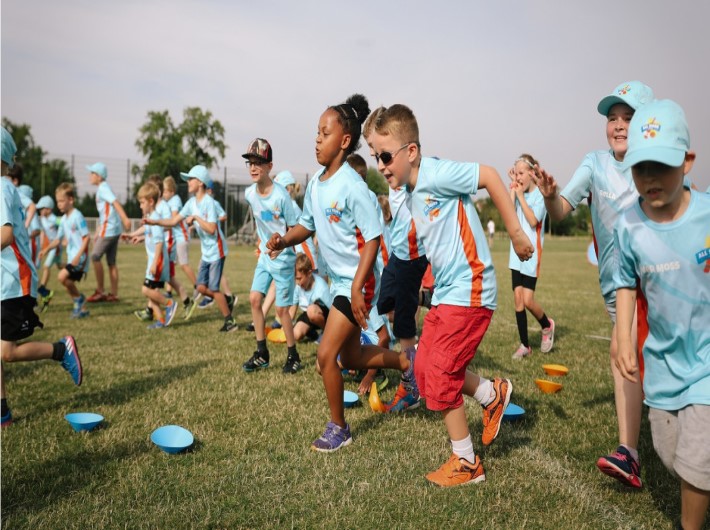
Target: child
<point x="157" y="272"/>
<point x="314" y="299"/>
<point x="201" y="211"/>
<point x="181" y="239"/>
<point x="111" y="214"/>
<point x="19" y="290"/>
<point x="224" y="283"/>
<point x="491" y="226"/>
<point x="49" y="233"/>
<point x="530" y="208"/>
<point x="439" y="193"/>
<point x="602" y="175"/>
<point x="16" y="174"/>
<point x="35" y="229"/>
<point x="337" y="205"/>
<point x="403" y="272"/>
<point x="72" y="227"/>
<point x="273" y="212"/>
<point x="663" y="242"/>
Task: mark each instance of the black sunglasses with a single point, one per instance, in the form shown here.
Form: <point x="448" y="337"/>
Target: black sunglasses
<point x="387" y="157"/>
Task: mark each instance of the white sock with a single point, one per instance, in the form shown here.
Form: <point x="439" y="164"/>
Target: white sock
<point x="485" y="392"/>
<point x="464" y="449"/>
<point x="634" y="452"/>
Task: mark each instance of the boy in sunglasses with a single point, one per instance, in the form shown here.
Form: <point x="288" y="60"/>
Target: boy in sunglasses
<point x="439" y="193"/>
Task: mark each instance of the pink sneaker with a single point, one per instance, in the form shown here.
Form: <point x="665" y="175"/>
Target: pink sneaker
<point x="522" y="351"/>
<point x="548" y="338"/>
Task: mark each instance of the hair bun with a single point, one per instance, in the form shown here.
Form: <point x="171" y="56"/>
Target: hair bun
<point x="362" y="108"/>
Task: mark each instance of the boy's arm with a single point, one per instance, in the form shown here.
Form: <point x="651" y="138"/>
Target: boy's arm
<point x="556" y="205"/>
<point x="7" y="236"/>
<point x="31" y="210"/>
<point x="82" y="250"/>
<point x="206" y="226"/>
<point x="489" y="179"/>
<point x="626" y="358"/>
<point x="167" y="223"/>
<point x="122" y="214"/>
<point x="295" y="235"/>
<point x="364" y="268"/>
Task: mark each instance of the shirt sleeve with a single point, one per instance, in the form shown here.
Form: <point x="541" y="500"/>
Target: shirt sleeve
<point x="451" y="179"/>
<point x="157" y="232"/>
<point x="6" y="209"/>
<point x="81" y="225"/>
<point x="186" y="210"/>
<point x="211" y="212"/>
<point x="364" y="212"/>
<point x="105" y="193"/>
<point x="580" y="185"/>
<point x="306" y="219"/>
<point x="625" y="265"/>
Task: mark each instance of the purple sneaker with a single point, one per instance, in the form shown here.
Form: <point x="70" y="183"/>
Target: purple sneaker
<point x="408" y="380"/>
<point x="621" y="466"/>
<point x="333" y="438"/>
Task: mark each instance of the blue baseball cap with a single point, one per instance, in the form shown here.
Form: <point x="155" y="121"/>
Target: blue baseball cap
<point x="8" y="148"/>
<point x="99" y="168"/>
<point x="24" y="189"/>
<point x="285" y="178"/>
<point x="45" y="202"/>
<point x="658" y="132"/>
<point x="200" y="173"/>
<point x="634" y="93"/>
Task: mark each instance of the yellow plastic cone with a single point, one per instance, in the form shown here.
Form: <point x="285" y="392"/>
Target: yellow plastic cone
<point x="375" y="403"/>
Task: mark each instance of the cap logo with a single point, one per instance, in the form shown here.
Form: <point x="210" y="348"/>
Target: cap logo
<point x="651" y="128"/>
<point x="624" y="90"/>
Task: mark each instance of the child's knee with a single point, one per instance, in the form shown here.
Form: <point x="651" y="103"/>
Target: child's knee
<point x="202" y="288"/>
<point x="256" y="299"/>
<point x="8" y="351"/>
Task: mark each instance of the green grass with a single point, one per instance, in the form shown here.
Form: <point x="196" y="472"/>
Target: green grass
<point x="251" y="466"/>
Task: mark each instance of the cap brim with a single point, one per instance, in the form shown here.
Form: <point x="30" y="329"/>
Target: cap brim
<point x="247" y="156"/>
<point x="608" y="102"/>
<point x="185" y="176"/>
<point x="665" y="155"/>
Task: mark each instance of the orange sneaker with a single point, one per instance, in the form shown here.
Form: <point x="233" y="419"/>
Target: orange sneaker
<point x="457" y="472"/>
<point x="493" y="412"/>
<point x="96" y="297"/>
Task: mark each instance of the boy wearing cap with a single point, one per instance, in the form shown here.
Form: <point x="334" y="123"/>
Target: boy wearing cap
<point x="273" y="212"/>
<point x="19" y="290"/>
<point x="111" y="215"/>
<point x="48" y="220"/>
<point x="603" y="176"/>
<point x="201" y="211"/>
<point x="663" y="242"/>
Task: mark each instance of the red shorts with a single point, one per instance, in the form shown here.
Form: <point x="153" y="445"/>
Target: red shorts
<point x="448" y="344"/>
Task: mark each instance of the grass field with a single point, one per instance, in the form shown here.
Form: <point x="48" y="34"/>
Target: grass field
<point x="251" y="466"/>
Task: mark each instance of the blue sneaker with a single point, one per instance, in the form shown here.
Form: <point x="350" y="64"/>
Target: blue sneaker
<point x="408" y="380"/>
<point x="157" y="325"/>
<point x="206" y="302"/>
<point x="6" y="419"/>
<point x="71" y="361"/>
<point x="333" y="438"/>
<point x="231" y="300"/>
<point x="170" y="313"/>
<point x="276" y="324"/>
<point x="79" y="313"/>
<point x="403" y="400"/>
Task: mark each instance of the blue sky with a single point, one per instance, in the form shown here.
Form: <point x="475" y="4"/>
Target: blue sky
<point x="487" y="80"/>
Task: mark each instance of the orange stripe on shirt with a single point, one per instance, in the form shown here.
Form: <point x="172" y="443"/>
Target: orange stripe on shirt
<point x="370" y="279"/>
<point x="104" y="226"/>
<point x="24" y="270"/>
<point x="383" y="250"/>
<point x="307" y="252"/>
<point x="220" y="244"/>
<point x="538" y="247"/>
<point x="412" y="238"/>
<point x="184" y="230"/>
<point x="471" y="252"/>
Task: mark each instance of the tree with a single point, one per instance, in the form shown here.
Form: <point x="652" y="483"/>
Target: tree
<point x="376" y="182"/>
<point x="43" y="175"/>
<point x="170" y="149"/>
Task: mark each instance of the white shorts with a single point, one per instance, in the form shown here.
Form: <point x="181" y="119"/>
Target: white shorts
<point x="181" y="250"/>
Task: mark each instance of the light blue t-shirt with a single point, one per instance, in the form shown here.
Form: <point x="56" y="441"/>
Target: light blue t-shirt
<point x="19" y="276"/>
<point x="448" y="225"/>
<point x="536" y="202"/>
<point x="319" y="291"/>
<point x="613" y="191"/>
<point x="73" y="228"/>
<point x="273" y="214"/>
<point x="181" y="233"/>
<point x="340" y="211"/>
<point x="164" y="212"/>
<point x="155" y="234"/>
<point x="49" y="226"/>
<point x="213" y="246"/>
<point x="307" y="247"/>
<point x="109" y="221"/>
<point x="404" y="241"/>
<point x="672" y="262"/>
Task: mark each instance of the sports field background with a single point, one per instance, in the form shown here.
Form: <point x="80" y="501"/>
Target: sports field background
<point x="251" y="466"/>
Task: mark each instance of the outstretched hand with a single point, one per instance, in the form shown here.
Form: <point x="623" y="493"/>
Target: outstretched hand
<point x="275" y="244"/>
<point x="545" y="182"/>
<point x="522" y="246"/>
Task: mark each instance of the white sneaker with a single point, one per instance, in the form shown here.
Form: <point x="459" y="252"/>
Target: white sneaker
<point x="522" y="351"/>
<point x="548" y="338"/>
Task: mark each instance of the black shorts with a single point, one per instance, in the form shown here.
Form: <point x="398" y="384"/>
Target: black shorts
<point x="151" y="284"/>
<point x="399" y="290"/>
<point x="342" y="304"/>
<point x="75" y="274"/>
<point x="19" y="319"/>
<point x="303" y="317"/>
<point x="521" y="280"/>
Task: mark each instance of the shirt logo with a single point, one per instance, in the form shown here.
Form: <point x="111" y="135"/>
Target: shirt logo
<point x="334" y="214"/>
<point x="651" y="128"/>
<point x="431" y="207"/>
<point x="704" y="255"/>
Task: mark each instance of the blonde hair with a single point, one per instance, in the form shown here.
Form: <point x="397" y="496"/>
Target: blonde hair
<point x="385" y="205"/>
<point x="358" y="164"/>
<point x="157" y="180"/>
<point x="169" y="184"/>
<point x="369" y="124"/>
<point x="398" y="121"/>
<point x="303" y="263"/>
<point x="148" y="191"/>
<point x="528" y="159"/>
<point x="66" y="189"/>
